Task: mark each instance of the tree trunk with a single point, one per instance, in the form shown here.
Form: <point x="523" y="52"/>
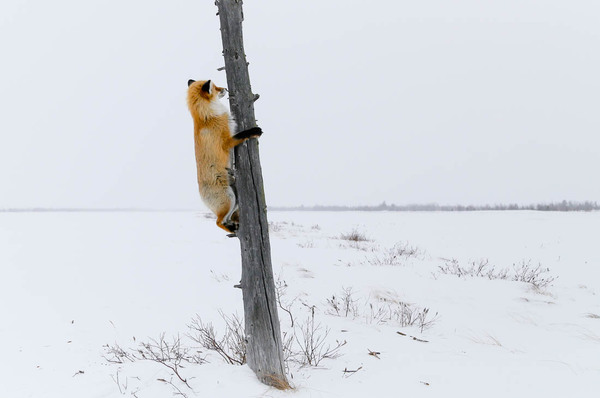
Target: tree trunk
<point x="263" y="335"/>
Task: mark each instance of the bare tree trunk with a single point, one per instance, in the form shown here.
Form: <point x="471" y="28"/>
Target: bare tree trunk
<point x="263" y="335"/>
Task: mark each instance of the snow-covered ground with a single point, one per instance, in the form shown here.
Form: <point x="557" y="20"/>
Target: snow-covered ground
<point x="74" y="282"/>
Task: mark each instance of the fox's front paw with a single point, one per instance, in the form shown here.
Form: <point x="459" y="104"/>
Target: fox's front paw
<point x="254" y="132"/>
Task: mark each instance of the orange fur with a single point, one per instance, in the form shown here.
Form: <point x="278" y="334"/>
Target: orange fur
<point x="213" y="142"/>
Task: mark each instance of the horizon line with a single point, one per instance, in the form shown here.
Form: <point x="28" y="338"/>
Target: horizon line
<point x="563" y="205"/>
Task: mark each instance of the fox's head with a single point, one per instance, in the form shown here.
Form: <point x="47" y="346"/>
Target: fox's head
<point x="205" y="89"/>
<point x="203" y="98"/>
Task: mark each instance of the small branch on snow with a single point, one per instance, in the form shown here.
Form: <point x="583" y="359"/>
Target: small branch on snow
<point x="348" y="373"/>
<point x="374" y="353"/>
<point x="413" y="337"/>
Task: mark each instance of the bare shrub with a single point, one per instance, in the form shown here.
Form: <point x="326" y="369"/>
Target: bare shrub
<point x="312" y="341"/>
<point x="452" y="267"/>
<point x="307" y="244"/>
<point x="280" y="291"/>
<point x="528" y="273"/>
<point x="344" y="304"/>
<point x="481" y="269"/>
<point x="277" y="226"/>
<point x="395" y="255"/>
<point x="231" y="347"/>
<point x="169" y="354"/>
<point x="354" y="236"/>
<point x="379" y="311"/>
<point x="287" y="345"/>
<point x="116" y="354"/>
<point x="524" y="272"/>
<point x="305" y="344"/>
<point x="404" y="314"/>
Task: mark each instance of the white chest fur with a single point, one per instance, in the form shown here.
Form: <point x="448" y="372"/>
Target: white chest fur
<point x="218" y="109"/>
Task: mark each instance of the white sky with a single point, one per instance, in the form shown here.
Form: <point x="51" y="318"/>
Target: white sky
<point x="448" y="101"/>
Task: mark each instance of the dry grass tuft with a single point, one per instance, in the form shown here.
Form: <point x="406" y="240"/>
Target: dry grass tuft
<point x="277" y="382"/>
<point x="355" y="236"/>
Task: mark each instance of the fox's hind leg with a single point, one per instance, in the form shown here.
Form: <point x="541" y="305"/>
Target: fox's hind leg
<point x="228" y="226"/>
<point x="221" y="200"/>
<point x="227" y="214"/>
<point x="234" y="217"/>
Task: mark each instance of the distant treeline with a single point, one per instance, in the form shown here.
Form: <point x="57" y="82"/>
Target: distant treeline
<point x="558" y="206"/>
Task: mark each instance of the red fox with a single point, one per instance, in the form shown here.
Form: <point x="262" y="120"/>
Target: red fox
<point x="213" y="128"/>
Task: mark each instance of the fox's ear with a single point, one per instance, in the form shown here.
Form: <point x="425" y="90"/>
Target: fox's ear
<point x="190" y="82"/>
<point x="206" y="86"/>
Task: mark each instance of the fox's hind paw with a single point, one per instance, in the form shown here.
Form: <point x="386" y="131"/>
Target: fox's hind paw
<point x="231" y="226"/>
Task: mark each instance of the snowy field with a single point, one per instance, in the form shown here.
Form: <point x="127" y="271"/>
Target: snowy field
<point x="73" y="283"/>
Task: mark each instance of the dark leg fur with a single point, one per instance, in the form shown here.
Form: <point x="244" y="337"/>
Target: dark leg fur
<point x="250" y="133"/>
<point x="231" y="226"/>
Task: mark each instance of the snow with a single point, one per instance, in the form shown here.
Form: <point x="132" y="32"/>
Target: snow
<point x="75" y="282"/>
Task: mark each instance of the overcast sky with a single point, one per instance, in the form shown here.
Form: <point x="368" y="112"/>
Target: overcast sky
<point x="447" y="101"/>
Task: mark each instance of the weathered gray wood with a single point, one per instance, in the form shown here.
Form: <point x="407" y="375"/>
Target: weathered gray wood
<point x="264" y="348"/>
